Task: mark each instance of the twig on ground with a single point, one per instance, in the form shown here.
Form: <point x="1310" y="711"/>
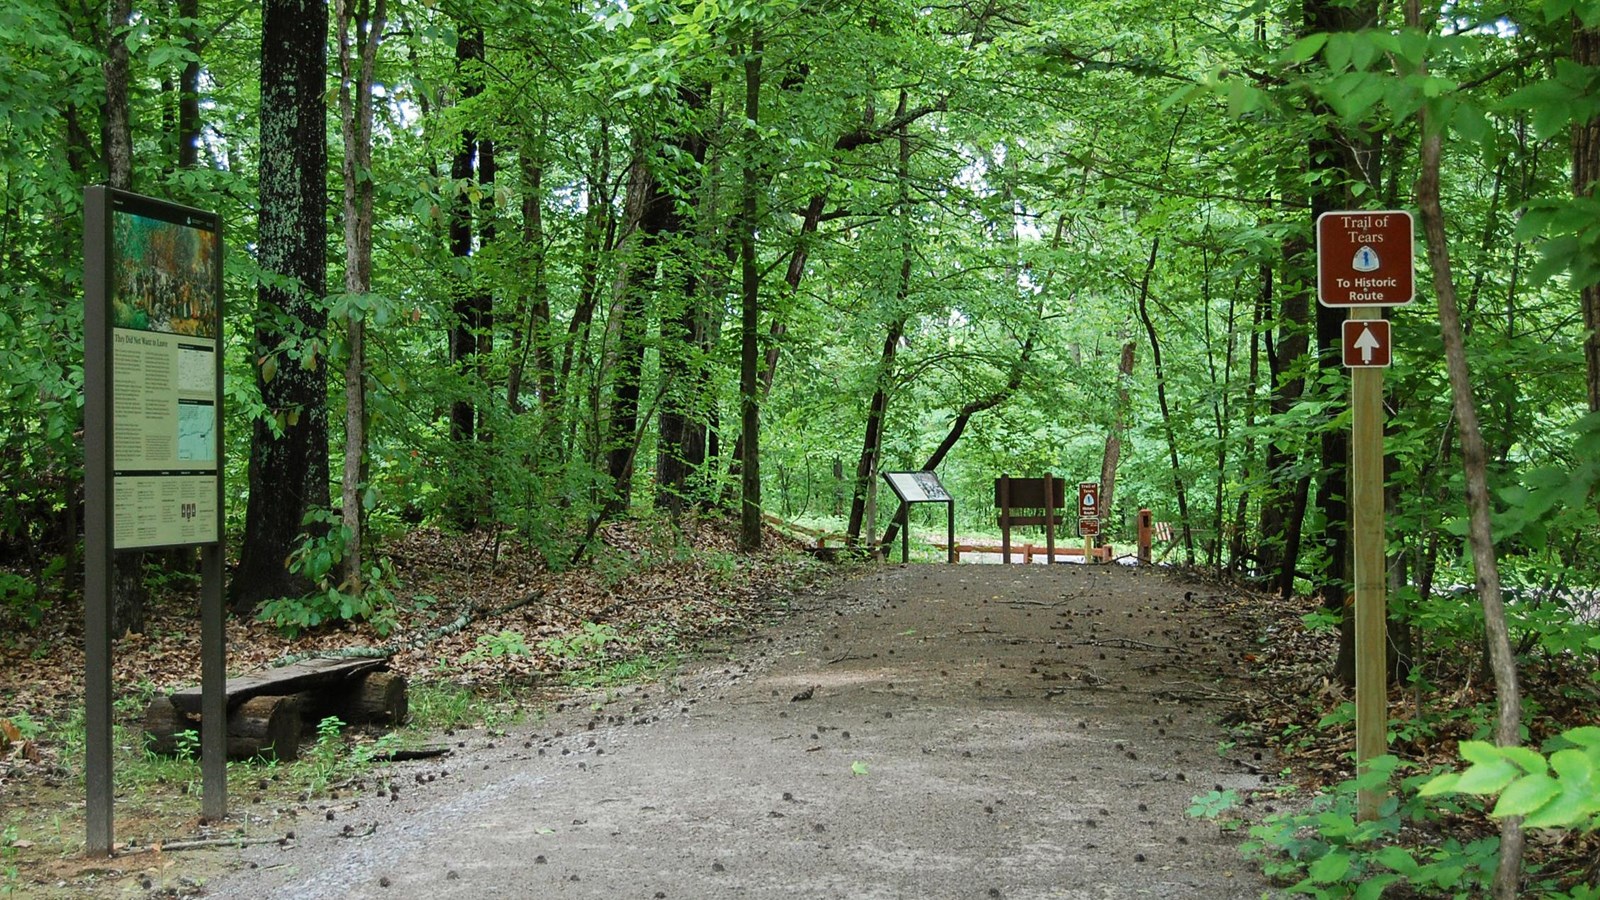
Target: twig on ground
<point x="1127" y="643"/>
<point x="205" y="843"/>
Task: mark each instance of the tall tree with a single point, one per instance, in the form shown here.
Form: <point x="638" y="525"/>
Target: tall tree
<point x="189" y="86"/>
<point x="1475" y="471"/>
<point x="649" y="211"/>
<point x="468" y="312"/>
<point x="360" y="31"/>
<point x="750" y="302"/>
<point x="685" y="321"/>
<point x="1339" y="158"/>
<point x="116" y="143"/>
<point x="877" y="411"/>
<point x="289" y="444"/>
<point x="1586" y="184"/>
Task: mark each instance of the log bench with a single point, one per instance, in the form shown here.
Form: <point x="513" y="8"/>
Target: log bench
<point x="269" y="711"/>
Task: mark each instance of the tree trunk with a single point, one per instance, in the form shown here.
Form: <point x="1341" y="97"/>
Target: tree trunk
<point x="289" y="445"/>
<point x="531" y="339"/>
<point x="680" y="452"/>
<point x="1585" y="175"/>
<point x="650" y="210"/>
<point x="750" y="308"/>
<point x="1180" y="491"/>
<point x="1474" y="463"/>
<point x="957" y="428"/>
<point x="116" y="147"/>
<point x="872" y="444"/>
<point x="1236" y="549"/>
<point x="189" y="88"/>
<point x="1283" y="508"/>
<point x="466" y="309"/>
<point x="357" y="57"/>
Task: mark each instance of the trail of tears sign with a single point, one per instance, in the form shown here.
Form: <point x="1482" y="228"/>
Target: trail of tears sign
<point x="1365" y="259"/>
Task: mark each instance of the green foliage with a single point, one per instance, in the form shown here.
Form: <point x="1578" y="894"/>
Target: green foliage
<point x="10" y="877"/>
<point x="502" y="644"/>
<point x="186" y="743"/>
<point x="318" y="559"/>
<point x="25" y="725"/>
<point x="320" y="766"/>
<point x="585" y="647"/>
<point x="1557" y="789"/>
<point x="19" y="600"/>
<point x="1326" y="853"/>
<point x="1213" y="805"/>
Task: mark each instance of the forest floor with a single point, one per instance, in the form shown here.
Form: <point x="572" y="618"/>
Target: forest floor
<point x="728" y="729"/>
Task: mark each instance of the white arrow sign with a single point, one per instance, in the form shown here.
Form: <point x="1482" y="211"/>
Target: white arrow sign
<point x="1367" y="343"/>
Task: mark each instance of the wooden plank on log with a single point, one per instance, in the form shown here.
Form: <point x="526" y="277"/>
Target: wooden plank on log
<point x="302" y="676"/>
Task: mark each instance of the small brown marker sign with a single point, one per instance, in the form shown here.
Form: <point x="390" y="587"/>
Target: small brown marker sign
<point x="1366" y="343"/>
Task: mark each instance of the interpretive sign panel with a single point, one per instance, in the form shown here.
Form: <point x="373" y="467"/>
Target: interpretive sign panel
<point x="1365" y="259"/>
<point x="162" y="287"/>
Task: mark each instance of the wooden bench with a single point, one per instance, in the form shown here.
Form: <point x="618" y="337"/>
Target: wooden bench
<point x="268" y="711"/>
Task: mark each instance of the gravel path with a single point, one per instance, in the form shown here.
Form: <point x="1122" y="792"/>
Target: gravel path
<point x="918" y="732"/>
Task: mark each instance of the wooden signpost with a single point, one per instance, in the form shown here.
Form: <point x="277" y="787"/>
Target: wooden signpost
<point x="1365" y="262"/>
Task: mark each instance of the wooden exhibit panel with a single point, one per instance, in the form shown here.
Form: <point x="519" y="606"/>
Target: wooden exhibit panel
<point x="1029" y="502"/>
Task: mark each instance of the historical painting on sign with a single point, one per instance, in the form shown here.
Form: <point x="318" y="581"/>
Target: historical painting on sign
<point x="163" y="276"/>
<point x="931" y="488"/>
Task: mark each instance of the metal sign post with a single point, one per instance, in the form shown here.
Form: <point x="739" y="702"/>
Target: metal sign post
<point x="1365" y="261"/>
<point x="152" y="449"/>
<point x="922" y="487"/>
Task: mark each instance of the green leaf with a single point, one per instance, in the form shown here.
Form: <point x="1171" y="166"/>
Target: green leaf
<point x="1305" y="48"/>
<point x="1337" y="52"/>
<point x="1397" y="858"/>
<point x="1372" y="888"/>
<point x="1330" y="868"/>
<point x="1585" y="736"/>
<point x="1526" y="759"/>
<point x="1443" y="784"/>
<point x="1487" y="777"/>
<point x="1526" y="794"/>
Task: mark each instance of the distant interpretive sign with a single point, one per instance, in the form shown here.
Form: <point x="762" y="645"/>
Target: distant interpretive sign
<point x="917" y="487"/>
<point x="922" y="487"/>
